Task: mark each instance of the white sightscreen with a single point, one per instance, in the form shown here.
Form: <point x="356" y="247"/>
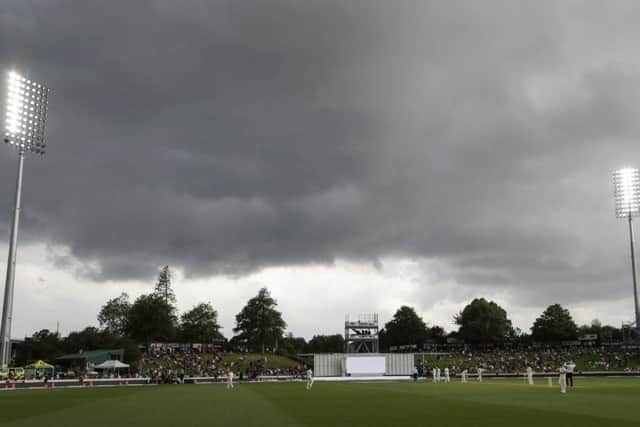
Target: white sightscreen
<point x="366" y="365"/>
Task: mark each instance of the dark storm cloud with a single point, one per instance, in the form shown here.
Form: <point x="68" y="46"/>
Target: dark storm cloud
<point x="228" y="136"/>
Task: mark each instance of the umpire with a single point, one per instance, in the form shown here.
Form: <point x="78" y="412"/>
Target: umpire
<point x="570" y="366"/>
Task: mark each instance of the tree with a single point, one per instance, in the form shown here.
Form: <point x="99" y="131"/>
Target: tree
<point x="405" y="328"/>
<point x="554" y="324"/>
<point x="43" y="344"/>
<point x="292" y="345"/>
<point x="436" y="334"/>
<point x="259" y="324"/>
<point x="163" y="287"/>
<point x="326" y="344"/>
<point x="483" y="322"/>
<point x="594" y="328"/>
<point x="90" y="338"/>
<point x="131" y="351"/>
<point x="151" y="318"/>
<point x="236" y="344"/>
<point x="114" y="314"/>
<point x="610" y="333"/>
<point x="200" y="324"/>
<point x="606" y="333"/>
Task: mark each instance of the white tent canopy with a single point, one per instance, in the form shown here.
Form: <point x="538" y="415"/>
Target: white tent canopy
<point x="111" y="364"/>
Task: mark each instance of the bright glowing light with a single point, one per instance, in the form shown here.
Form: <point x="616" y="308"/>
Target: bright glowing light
<point x="26" y="113"/>
<point x="627" y="192"/>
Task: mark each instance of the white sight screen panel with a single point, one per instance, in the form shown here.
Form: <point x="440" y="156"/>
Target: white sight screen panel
<point x="366" y="365"/>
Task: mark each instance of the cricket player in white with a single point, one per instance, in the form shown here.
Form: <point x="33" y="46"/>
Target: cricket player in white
<point x="530" y="375"/>
<point x="309" y="379"/>
<point x="463" y="376"/>
<point x="562" y="380"/>
<point x="446" y="375"/>
<point x="230" y="379"/>
<point x="480" y="370"/>
<point x="433" y="372"/>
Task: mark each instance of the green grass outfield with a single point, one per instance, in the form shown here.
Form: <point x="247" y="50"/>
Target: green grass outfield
<point x="496" y="403"/>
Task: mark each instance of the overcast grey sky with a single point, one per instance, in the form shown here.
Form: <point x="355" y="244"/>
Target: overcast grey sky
<point x="352" y="156"/>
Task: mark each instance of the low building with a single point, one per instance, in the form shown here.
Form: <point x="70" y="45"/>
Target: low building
<point x="84" y="361"/>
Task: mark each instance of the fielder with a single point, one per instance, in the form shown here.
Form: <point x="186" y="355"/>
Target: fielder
<point x="530" y="375"/>
<point x="438" y="377"/>
<point x="562" y="379"/>
<point x="309" y="379"/>
<point x="433" y="372"/>
<point x="463" y="376"/>
<point x="446" y="375"/>
<point x="480" y="370"/>
<point x="230" y="379"/>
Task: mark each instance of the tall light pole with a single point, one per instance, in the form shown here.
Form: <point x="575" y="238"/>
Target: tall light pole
<point x="24" y="130"/>
<point x="626" y="183"/>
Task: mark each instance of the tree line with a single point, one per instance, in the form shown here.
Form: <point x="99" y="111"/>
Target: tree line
<point x="154" y="317"/>
<point x="260" y="327"/>
<point x="484" y="322"/>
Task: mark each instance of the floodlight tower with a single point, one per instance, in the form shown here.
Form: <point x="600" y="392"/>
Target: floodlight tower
<point x="626" y="183"/>
<point x="24" y="130"/>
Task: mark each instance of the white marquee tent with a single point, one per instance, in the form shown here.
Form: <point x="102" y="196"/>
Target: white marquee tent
<point x="111" y="364"/>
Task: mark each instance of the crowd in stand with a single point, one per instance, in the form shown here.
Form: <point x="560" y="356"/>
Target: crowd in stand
<point x="541" y="360"/>
<point x="181" y="363"/>
<point x="172" y="366"/>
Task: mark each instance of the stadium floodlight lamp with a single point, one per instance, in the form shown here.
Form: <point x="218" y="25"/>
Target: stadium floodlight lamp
<point x="626" y="184"/>
<point x="627" y="191"/>
<point x="26" y="114"/>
